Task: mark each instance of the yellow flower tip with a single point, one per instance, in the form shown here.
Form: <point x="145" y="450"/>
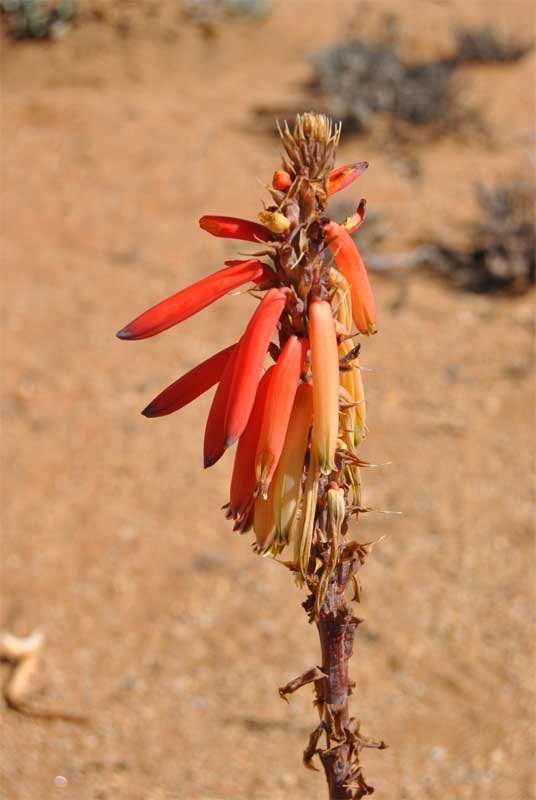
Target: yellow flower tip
<point x="263" y="465"/>
<point x="263" y="521"/>
<point x="274" y="221"/>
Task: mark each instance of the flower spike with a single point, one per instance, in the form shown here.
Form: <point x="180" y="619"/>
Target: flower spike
<point x="325" y="369"/>
<point x="234" y="228"/>
<point x="342" y="177"/>
<point x="194" y="298"/>
<point x="299" y="426"/>
<point x="191" y="385"/>
<point x="280" y="398"/>
<point x="249" y="360"/>
<point x="350" y="264"/>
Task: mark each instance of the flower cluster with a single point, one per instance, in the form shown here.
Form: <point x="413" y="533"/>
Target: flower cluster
<point x="297" y="425"/>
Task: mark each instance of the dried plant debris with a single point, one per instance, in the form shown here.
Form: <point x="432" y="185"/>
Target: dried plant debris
<point x="357" y="80"/>
<point x="500" y="256"/>
<point x="37" y="19"/>
<point x="23" y="655"/>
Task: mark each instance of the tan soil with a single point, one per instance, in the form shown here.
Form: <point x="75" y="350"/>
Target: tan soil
<point x="160" y="623"/>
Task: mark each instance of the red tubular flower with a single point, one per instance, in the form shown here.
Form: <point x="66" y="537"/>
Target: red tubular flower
<point x="350" y="264"/>
<point x="194" y="298"/>
<point x="279" y="401"/>
<point x="234" y="228"/>
<point x="214" y="444"/>
<point x="243" y="482"/>
<point x="196" y="382"/>
<point x="342" y="177"/>
<point x="325" y="369"/>
<point x="249" y="360"/>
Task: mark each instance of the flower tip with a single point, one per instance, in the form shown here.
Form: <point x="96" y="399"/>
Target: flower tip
<point x="207" y="224"/>
<point x="230" y="441"/>
<point x="124" y="333"/>
<point x="211" y="458"/>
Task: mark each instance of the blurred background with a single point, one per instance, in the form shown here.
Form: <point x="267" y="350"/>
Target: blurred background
<point x="122" y="124"/>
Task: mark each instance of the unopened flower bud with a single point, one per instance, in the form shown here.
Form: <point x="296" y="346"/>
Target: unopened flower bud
<point x="281" y="180"/>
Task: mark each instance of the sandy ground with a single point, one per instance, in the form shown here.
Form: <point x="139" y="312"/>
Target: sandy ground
<point x="160" y="623"/>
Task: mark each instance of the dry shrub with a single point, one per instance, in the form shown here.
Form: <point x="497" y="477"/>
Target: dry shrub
<point x="501" y="254"/>
<point x="358" y="79"/>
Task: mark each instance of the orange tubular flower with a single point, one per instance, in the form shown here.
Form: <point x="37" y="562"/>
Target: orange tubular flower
<point x="351" y="266"/>
<point x="325" y="369"/>
<point x="341" y="177"/>
<point x="196" y="382"/>
<point x="243" y="482"/>
<point x="249" y="360"/>
<point x="288" y="475"/>
<point x="234" y="228"/>
<point x="194" y="298"/>
<point x="280" y="398"/>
